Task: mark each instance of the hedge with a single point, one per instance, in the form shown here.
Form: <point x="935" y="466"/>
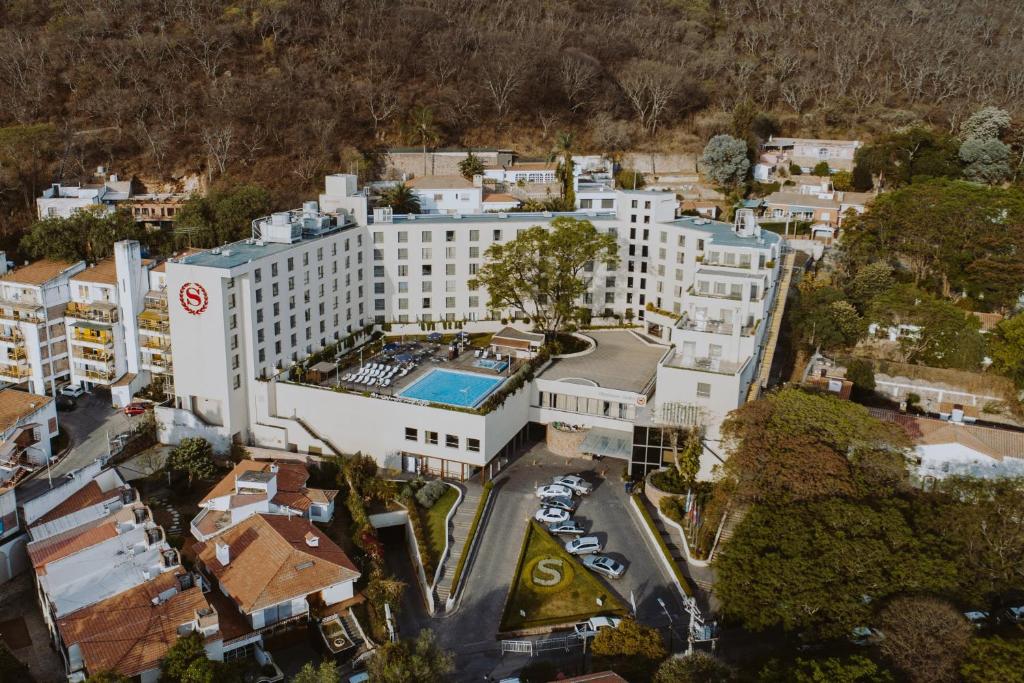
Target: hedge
<point x="664" y="547"/>
<point x="472" y="534"/>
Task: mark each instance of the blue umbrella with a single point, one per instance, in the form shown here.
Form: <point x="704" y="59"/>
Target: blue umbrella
<point x="404" y="357"/>
<point x="434" y="336"/>
<point x="390" y="347"/>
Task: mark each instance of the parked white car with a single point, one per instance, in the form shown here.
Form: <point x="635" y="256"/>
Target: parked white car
<point x="1015" y="614"/>
<point x="583" y="545"/>
<point x="72" y="390"/>
<point x="604" y="565"/>
<point x="591" y="626"/>
<point x="977" y="618"/>
<point x="578" y="484"/>
<point x="554" y="491"/>
<point x="551" y="515"/>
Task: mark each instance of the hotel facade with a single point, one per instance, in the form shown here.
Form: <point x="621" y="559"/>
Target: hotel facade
<point x="244" y="317"/>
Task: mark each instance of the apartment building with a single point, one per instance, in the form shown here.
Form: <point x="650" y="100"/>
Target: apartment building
<point x="33" y="337"/>
<point x="155" y="210"/>
<point x="702" y="290"/>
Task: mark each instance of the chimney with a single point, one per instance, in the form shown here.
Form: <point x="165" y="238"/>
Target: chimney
<point x="223" y="553"/>
<point x="312" y="540"/>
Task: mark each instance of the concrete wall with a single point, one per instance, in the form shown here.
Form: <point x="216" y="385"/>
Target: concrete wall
<point x="656" y="164"/>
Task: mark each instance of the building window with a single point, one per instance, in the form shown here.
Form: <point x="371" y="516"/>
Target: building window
<point x="431" y="438"/>
<point x="451" y="441"/>
<point x="473" y="444"/>
<point x="703" y="390"/>
<point x="412" y="434"/>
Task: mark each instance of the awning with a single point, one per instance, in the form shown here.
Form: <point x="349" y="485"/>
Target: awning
<point x="608" y="443"/>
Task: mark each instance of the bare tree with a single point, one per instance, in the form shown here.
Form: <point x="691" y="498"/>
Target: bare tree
<point x="650" y="87"/>
<point x="578" y="74"/>
<point x="925" y="638"/>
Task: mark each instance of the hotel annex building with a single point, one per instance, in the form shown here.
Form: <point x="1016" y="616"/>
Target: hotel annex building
<point x="240" y="316"/>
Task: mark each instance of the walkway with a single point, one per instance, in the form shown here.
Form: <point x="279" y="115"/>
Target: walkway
<point x="772" y="338"/>
<point x="701" y="577"/>
<point x="457" y="533"/>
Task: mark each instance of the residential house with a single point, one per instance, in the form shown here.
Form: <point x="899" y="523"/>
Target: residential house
<point x="826" y="207"/>
<point x="450" y="194"/>
<point x="808" y="153"/>
<point x="271" y="570"/>
<point x="255" y="487"/>
<point x="953" y="445"/>
<point x="701" y="207"/>
<point x="152" y="209"/>
<point x="131" y="632"/>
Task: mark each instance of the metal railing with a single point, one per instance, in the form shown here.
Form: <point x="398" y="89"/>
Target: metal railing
<point x="103" y="338"/>
<point x="91" y="313"/>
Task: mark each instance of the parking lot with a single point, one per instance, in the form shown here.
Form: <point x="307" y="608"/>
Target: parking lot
<point x="471" y="630"/>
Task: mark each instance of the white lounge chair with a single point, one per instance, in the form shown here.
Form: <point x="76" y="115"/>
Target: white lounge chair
<point x="476" y="354"/>
<point x="403" y="372"/>
<point x="385" y="382"/>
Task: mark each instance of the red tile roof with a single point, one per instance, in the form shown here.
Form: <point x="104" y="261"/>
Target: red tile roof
<point x="128" y="633"/>
<point x="90" y="494"/>
<point x="291" y="486"/>
<point x="70" y="542"/>
<point x="270" y="561"/>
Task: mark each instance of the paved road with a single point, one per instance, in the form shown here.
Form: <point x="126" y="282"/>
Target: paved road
<point x="89" y="424"/>
<point x="470" y="631"/>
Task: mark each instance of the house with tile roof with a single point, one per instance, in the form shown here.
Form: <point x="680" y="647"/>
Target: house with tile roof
<point x="273" y="569"/>
<point x="955" y="445"/>
<point x="129" y="633"/>
<point x="255" y="487"/>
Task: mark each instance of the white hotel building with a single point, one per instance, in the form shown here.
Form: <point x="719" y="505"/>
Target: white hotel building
<point x="241" y="315"/>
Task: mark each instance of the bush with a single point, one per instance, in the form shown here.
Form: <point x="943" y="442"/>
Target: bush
<point x="795" y="169"/>
<point x="431" y="493"/>
<point x="822" y="170"/>
<point x="670" y="481"/>
<point x="862" y="374"/>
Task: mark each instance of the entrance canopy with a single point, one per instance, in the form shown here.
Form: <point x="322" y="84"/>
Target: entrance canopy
<point x="608" y="443"/>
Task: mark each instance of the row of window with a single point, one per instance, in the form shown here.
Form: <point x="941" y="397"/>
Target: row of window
<point x="587" y="406"/>
<point x="433" y="439"/>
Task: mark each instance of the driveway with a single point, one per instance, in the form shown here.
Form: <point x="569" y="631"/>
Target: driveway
<point x="90" y="424"/>
<point x="23" y="630"/>
<point x="470" y="631"/>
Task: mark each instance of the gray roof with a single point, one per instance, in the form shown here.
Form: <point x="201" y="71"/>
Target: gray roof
<point x="620" y="361"/>
<point x="244" y="251"/>
<point x="510" y="217"/>
<point x="608" y="443"/>
<point x="722" y="234"/>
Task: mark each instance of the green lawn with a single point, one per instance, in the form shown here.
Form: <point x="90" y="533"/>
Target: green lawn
<point x="437" y="530"/>
<point x="559" y="591"/>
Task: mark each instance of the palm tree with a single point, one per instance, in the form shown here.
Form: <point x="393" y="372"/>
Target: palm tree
<point x="562" y="153"/>
<point x="401" y="199"/>
<point x="421" y="120"/>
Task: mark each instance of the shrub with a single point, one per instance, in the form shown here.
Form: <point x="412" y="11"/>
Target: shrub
<point x="431" y="493"/>
<point x="795" y="169"/>
<point x="862" y="374"/>
<point x="822" y="170"/>
<point x="670" y="481"/>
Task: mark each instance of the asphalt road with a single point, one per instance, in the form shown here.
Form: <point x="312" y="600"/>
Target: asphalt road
<point x="89" y="425"/>
<point x="470" y="631"/>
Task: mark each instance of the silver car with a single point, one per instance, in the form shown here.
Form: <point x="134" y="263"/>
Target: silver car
<point x="604" y="565"/>
<point x="560" y="503"/>
<point x="578" y="484"/>
<point x="583" y="545"/>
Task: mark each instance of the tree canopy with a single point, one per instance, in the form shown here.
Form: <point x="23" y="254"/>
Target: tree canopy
<point x="401" y="199"/>
<point x="925" y="638"/>
<point x="542" y="273"/>
<point x="725" y="161"/>
<point x="410" y="660"/>
<point x="193" y="456"/>
<point x="909" y="155"/>
<point x="87" y="234"/>
<point x="223" y="215"/>
<point x="955" y="238"/>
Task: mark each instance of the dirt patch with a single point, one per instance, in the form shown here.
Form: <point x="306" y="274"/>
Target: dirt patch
<point x="14" y="632"/>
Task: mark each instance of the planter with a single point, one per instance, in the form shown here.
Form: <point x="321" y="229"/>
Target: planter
<point x="654" y="494"/>
<point x="565" y="442"/>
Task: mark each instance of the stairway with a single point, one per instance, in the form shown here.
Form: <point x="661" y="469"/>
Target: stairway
<point x="312" y="432"/>
<point x="355" y="633"/>
<point x="732" y="520"/>
<point x="459" y="530"/>
<point x="772" y="338"/>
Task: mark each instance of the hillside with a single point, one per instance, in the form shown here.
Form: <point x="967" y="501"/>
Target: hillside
<point x="281" y="91"/>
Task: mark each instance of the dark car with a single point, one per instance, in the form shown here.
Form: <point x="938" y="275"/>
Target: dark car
<point x="66" y="403"/>
<point x="570" y="527"/>
<point x="560" y="503"/>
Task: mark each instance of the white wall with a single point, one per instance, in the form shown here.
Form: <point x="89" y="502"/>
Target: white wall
<point x="338" y="592"/>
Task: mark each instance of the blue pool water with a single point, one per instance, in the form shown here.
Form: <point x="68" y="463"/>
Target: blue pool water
<point x="463" y="389"/>
<point x="498" y="365"/>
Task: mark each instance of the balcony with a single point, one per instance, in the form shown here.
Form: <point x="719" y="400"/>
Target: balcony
<point x="11" y="312"/>
<point x="102" y="312"/>
<point x="714" y="326"/>
<point x="15" y="373"/>
<point x="703" y="364"/>
<point x="156" y="301"/>
<point x="104" y="356"/>
<point x="158" y="363"/>
<point x="154" y="320"/>
<point x="98" y="376"/>
<point x="91" y="334"/>
<point x="731" y="296"/>
<point x="12" y="337"/>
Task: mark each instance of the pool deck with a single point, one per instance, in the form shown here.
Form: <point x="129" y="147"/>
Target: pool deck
<point x="436" y="359"/>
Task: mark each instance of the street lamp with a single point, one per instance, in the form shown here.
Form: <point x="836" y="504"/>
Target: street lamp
<point x="671" y="628"/>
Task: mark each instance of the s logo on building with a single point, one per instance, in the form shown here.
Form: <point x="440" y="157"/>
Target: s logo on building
<point x="193" y="298"/>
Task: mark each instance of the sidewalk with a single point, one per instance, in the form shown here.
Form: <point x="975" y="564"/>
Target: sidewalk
<point x="459" y="530"/>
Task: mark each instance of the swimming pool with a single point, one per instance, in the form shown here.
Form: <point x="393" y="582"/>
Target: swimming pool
<point x="498" y="365"/>
<point x="463" y="389"/>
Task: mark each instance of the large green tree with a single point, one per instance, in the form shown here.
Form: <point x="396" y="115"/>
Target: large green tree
<point x="993" y="660"/>
<point x="793" y="446"/>
<point x="88" y="234"/>
<point x="954" y="238"/>
<point x="725" y="161"/>
<point x="223" y="215"/>
<point x="186" y="662"/>
<point x="325" y="672"/>
<point x="542" y="273"/>
<point x="821" y="567"/>
<point x="401" y="199"/>
<point x="699" y="667"/>
<point x="909" y="156"/>
<point x="1006" y="348"/>
<point x="194" y="457"/>
<point x="850" y="669"/>
<point x="411" y="660"/>
<point x="471" y="166"/>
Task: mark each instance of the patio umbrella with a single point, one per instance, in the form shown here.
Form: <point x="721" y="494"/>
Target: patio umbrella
<point x="404" y="357"/>
<point x="434" y="336"/>
<point x="390" y="347"/>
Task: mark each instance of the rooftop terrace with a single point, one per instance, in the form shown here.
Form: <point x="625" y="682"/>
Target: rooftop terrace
<point x="620" y="360"/>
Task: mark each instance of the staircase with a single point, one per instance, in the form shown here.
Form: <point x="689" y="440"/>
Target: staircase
<point x="355" y="633"/>
<point x="732" y="520"/>
<point x="772" y="338"/>
<point x="459" y="530"/>
<point x="312" y="432"/>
